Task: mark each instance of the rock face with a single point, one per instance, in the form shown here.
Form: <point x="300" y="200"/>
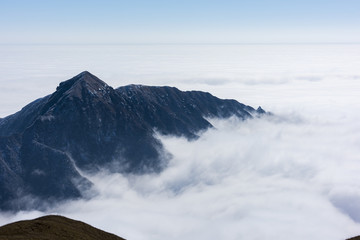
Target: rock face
<point x="354" y="238"/>
<point x="86" y="124"/>
<point x="55" y="228"/>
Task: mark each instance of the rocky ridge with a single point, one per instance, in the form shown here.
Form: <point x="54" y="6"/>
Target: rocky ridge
<point x="86" y="124"/>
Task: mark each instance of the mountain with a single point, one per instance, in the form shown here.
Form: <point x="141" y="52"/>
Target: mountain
<point x="86" y="125"/>
<point x="54" y="228"/>
<point x="354" y="238"/>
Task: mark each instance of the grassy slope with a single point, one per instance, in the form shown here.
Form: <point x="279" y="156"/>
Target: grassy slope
<point x="53" y="228"/>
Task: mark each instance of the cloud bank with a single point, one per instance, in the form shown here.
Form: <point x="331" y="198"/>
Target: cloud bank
<point x="267" y="178"/>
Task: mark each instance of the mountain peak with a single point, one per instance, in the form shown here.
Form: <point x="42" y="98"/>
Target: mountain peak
<point x="83" y="77"/>
<point x="85" y="73"/>
<point x="84" y="80"/>
<point x="260" y="110"/>
<point x="87" y="77"/>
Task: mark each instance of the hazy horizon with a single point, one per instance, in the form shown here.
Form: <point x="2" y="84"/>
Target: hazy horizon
<point x="25" y="67"/>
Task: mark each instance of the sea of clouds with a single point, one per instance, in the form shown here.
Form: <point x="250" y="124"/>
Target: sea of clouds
<point x="291" y="175"/>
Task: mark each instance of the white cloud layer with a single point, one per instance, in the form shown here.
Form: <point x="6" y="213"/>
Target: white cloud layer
<point x="267" y="178"/>
<point x="295" y="175"/>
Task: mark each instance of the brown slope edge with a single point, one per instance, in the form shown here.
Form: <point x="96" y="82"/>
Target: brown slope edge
<point x="53" y="228"/>
<point x="354" y="238"/>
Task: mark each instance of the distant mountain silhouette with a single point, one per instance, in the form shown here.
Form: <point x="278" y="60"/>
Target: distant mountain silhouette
<point x="54" y="228"/>
<point x="86" y="124"/>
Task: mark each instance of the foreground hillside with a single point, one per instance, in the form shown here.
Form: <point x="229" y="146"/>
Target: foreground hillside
<point x="54" y="228"/>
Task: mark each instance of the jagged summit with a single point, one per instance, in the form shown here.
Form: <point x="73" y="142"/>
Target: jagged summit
<point x="84" y="76"/>
<point x="86" y="124"/>
<point x="83" y="81"/>
<point x="260" y="110"/>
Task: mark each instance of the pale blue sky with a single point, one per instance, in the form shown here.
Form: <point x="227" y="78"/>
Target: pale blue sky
<point x="179" y="21"/>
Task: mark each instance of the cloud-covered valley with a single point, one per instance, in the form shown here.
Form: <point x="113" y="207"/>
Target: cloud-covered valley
<point x="271" y="177"/>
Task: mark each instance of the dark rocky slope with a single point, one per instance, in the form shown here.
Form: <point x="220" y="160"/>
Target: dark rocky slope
<point x="54" y="228"/>
<point x="86" y="124"/>
<point x="354" y="238"/>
